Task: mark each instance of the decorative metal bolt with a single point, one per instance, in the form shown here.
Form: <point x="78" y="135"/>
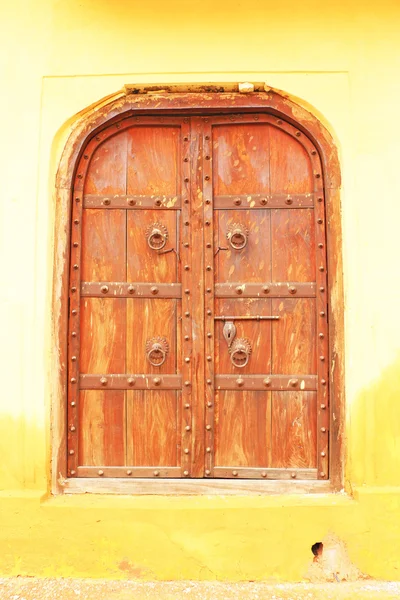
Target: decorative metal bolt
<point x="208" y="472"/>
<point x="72" y="452"/>
<point x="73" y="289"/>
<point x="186" y="473"/>
<point x="154" y="290"/>
<point x="267" y="381"/>
<point x="207" y="178"/>
<point x="298" y="134"/>
<point x="293" y="382"/>
<point x="74" y="311"/>
<point x="209" y="404"/>
<point x="317" y="175"/>
<point x="72" y="428"/>
<point x="208" y="245"/>
<point x="100" y="472"/>
<point x="209" y="335"/>
<point x="293" y="475"/>
<point x="208" y="290"/>
<point x="98" y="138"/>
<point x="186" y="244"/>
<point x="187" y="291"/>
<point x="107" y="201"/>
<point x="186" y="267"/>
<point x="279" y="122"/>
<point x="80" y="176"/>
<point x="321" y="268"/>
<point x="73" y="358"/>
<point x="266" y="289"/>
<point x="256" y="117"/>
<point x="187" y="427"/>
<point x="208" y="427"/>
<point x="320" y="199"/>
<point x="263" y="474"/>
<point x="321" y="336"/>
<point x="323" y="454"/>
<point x="208" y="268"/>
<point x="207" y="137"/>
<point x="289" y="201"/>
<point x="263" y="201"/>
<point x="209" y="312"/>
<point x="292" y="289"/>
<point x="73" y="472"/>
<point x="104" y="289"/>
<point x="131" y="381"/>
<point x="73" y="334"/>
<point x="187" y="405"/>
<point x="323" y="406"/>
<point x="208" y="157"/>
<point x="186" y="201"/>
<point x="156" y="473"/>
<point x="209" y="381"/>
<point x="158" y="202"/>
<point x="322" y="474"/>
<point x="131" y="202"/>
<point x="129" y="472"/>
<point x="208" y="223"/>
<point x="209" y="358"/>
<point x="186" y="159"/>
<point x="187" y="338"/>
<point x="187" y="314"/>
<point x="73" y="403"/>
<point x="187" y="223"/>
<point x="322" y="313"/>
<point x="77" y="199"/>
<point x="185" y="139"/>
<point x="187" y="383"/>
<point x="157" y="380"/>
<point x="322" y="358"/>
<point x="320" y="221"/>
<point x="320" y="245"/>
<point x="239" y="289"/>
<point x="76" y="221"/>
<point x="240" y="382"/>
<point x="73" y="380"/>
<point x="321" y="289"/>
<point x="323" y="381"/>
<point x="238" y="202"/>
<point x="75" y="244"/>
<point x="186" y="450"/>
<point x="208" y="449"/>
<point x="118" y="125"/>
<point x="187" y="359"/>
<point x="186" y="180"/>
<point x="235" y="473"/>
<point x="76" y="267"/>
<point x="103" y="380"/>
<point x="323" y="429"/>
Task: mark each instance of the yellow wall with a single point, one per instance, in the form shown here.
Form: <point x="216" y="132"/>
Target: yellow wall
<point x="340" y="58"/>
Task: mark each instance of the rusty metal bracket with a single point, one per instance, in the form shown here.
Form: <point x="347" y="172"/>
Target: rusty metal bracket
<point x="247" y="318"/>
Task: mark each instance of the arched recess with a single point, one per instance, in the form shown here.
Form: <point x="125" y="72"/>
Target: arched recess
<point x="273" y="105"/>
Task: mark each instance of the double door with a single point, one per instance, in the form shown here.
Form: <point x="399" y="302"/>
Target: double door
<point x="198" y="338"/>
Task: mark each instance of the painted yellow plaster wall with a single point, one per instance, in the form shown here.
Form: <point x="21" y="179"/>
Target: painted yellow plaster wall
<point x="342" y="60"/>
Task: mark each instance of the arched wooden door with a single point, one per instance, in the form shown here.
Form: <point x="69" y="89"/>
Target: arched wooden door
<point x="198" y="336"/>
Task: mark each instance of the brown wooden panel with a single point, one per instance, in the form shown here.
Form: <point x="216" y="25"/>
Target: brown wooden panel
<point x="241" y="159"/>
<point x="257" y="332"/>
<point x="107" y="167"/>
<point x="103" y="331"/>
<point x="291" y="170"/>
<point x="103" y="245"/>
<point x="102" y="434"/>
<point x="251" y="263"/>
<point x="293" y="245"/>
<point x="294" y="336"/>
<point x="294" y="438"/>
<point x="242" y="429"/>
<point x="147" y="319"/>
<point x="153" y="154"/>
<point x="152" y="428"/>
<point x="143" y="262"/>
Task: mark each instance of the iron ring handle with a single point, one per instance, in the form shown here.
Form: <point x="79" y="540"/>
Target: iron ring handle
<point x="156" y="355"/>
<point x="240" y="352"/>
<point x="238" y="239"/>
<point x="157" y="239"/>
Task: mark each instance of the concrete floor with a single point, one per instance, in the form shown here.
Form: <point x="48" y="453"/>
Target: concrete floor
<point x="23" y="588"/>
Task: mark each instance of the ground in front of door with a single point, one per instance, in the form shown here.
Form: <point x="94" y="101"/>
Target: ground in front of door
<point x="30" y="588"/>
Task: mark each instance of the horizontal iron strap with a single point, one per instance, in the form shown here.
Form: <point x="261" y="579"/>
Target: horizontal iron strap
<point x="106" y="289"/>
<point x="268" y="473"/>
<point x="130" y="382"/>
<point x="248" y="318"/>
<point x="129" y="472"/>
<point x="248" y="201"/>
<point x="131" y="202"/>
<point x="277" y="289"/>
<point x="288" y="383"/>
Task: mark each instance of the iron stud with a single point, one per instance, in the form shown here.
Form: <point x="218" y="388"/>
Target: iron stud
<point x="240" y="382"/>
<point x="209" y="358"/>
<point x="73" y="334"/>
<point x="208" y="472"/>
<point x="156" y="473"/>
<point x="263" y="201"/>
<point x="209" y="404"/>
<point x="131" y="381"/>
<point x="72" y="428"/>
<point x="103" y="381"/>
<point x="292" y="289"/>
<point x="322" y="474"/>
<point x="186" y="267"/>
<point x="73" y="403"/>
<point x="323" y="454"/>
<point x="186" y="450"/>
<point x="209" y="381"/>
<point x="107" y="201"/>
<point x="154" y="290"/>
<point x="187" y="405"/>
<point x="157" y="380"/>
<point x="73" y="380"/>
<point x="100" y="472"/>
<point x="235" y="473"/>
<point x="186" y="473"/>
<point x="131" y="289"/>
<point x="293" y="475"/>
<point x="187" y="427"/>
<point x="208" y="449"/>
<point x="131" y="202"/>
<point x="104" y="289"/>
<point x="73" y="358"/>
<point x="208" y="427"/>
<point x="74" y="311"/>
<point x="187" y="359"/>
<point x="72" y="452"/>
<point x="129" y="472"/>
<point x="73" y="472"/>
<point x="323" y="406"/>
<point x="323" y="429"/>
<point x="267" y="381"/>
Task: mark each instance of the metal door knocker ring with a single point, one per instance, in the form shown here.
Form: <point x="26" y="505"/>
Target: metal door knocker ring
<point x="237" y="236"/>
<point x="240" y="352"/>
<point x="157" y="236"/>
<point x="156" y="350"/>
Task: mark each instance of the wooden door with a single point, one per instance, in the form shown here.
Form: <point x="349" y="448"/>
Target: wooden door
<point x="197" y="328"/>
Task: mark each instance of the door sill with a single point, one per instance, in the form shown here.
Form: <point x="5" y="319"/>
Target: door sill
<point x="195" y="487"/>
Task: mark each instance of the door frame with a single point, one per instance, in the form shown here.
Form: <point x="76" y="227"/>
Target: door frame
<point x="188" y="100"/>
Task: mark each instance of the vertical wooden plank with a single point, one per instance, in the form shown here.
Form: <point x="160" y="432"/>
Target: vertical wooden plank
<point x="103" y="245"/>
<point x="242" y="429"/>
<point x="253" y="262"/>
<point x="294" y="336"/>
<point x="144" y="263"/>
<point x="257" y="332"/>
<point x="294" y="429"/>
<point x="291" y="170"/>
<point x="102" y="431"/>
<point x="148" y="318"/>
<point x="103" y="335"/>
<point x="241" y="158"/>
<point x="293" y="244"/>
<point x="153" y="432"/>
<point x="153" y="159"/>
<point x="107" y="167"/>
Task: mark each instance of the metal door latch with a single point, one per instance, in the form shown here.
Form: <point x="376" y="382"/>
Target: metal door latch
<point x="156" y="350"/>
<point x="229" y="332"/>
<point x="157" y="236"/>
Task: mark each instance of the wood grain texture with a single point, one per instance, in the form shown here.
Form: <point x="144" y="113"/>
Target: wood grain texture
<point x="253" y="262"/>
<point x="257" y="332"/>
<point x="293" y="245"/>
<point x="294" y="438"/>
<point x="144" y="263"/>
<point x="242" y="429"/>
<point x="153" y="433"/>
<point x="241" y="158"/>
<point x="107" y="167"/>
<point x="103" y="245"/>
<point x="103" y="335"/>
<point x="102" y="433"/>
<point x="148" y="318"/>
<point x="153" y="160"/>
<point x="290" y="165"/>
<point x="294" y="336"/>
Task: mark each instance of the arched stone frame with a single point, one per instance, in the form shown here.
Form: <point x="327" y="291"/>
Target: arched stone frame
<point x="195" y="99"/>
